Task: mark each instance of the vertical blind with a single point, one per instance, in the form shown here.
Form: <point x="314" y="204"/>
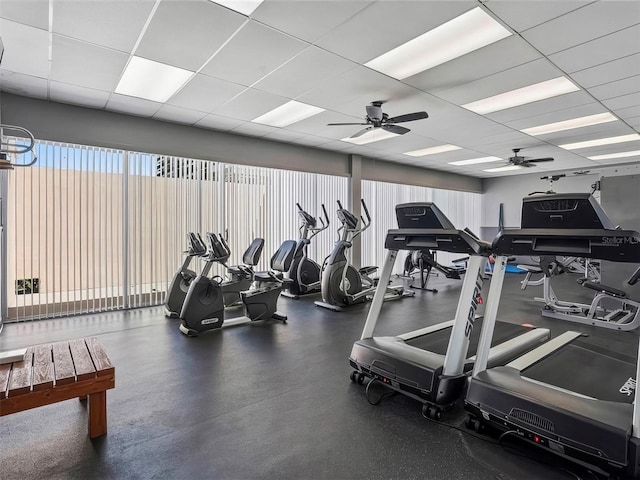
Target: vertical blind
<point x="93" y="229"/>
<point x="462" y="208"/>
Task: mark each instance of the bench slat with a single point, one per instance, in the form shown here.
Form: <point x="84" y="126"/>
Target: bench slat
<point x="43" y="374"/>
<point x="21" y="373"/>
<point x="99" y="355"/>
<point x="5" y="370"/>
<point x="81" y="360"/>
<point x="63" y="364"/>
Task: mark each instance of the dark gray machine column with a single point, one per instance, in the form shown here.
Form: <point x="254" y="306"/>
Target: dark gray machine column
<point x="620" y="198"/>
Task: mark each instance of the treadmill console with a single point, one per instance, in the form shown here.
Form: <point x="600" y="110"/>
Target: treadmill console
<point x="565" y="210"/>
<point x="423" y="226"/>
<point x="422" y="215"/>
<point x="571" y="224"/>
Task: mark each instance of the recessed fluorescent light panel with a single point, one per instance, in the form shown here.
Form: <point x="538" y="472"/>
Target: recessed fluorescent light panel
<point x="521" y="96"/>
<point x="473" y="161"/>
<point x="504" y="169"/>
<point x="601" y="141"/>
<point x="609" y="156"/>
<point x="151" y="80"/>
<point x="369" y="137"/>
<point x="432" y="150"/>
<point x="570" y="124"/>
<point x="466" y="33"/>
<point x="246" y="7"/>
<point x="290" y="112"/>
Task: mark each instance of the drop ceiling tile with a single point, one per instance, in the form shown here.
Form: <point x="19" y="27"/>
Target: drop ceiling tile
<point x="605" y="73"/>
<point x="26" y="49"/>
<point x="610" y="129"/>
<point x="624" y="101"/>
<point x="218" y="122"/>
<point x="34" y="13"/>
<point x="633" y="121"/>
<point x="132" y="105"/>
<point x="599" y="51"/>
<point x="607" y="149"/>
<point x="497" y="57"/>
<point x="109" y="23"/>
<point x="354" y="83"/>
<point x="75" y="95"/>
<point x="20" y="84"/>
<point x="317" y="125"/>
<point x="629" y="112"/>
<point x="594" y="20"/>
<point x="540" y="107"/>
<point x="558" y="116"/>
<point x="241" y="62"/>
<point x="308" y="20"/>
<point x="205" y="94"/>
<point x="312" y="140"/>
<point x="250" y="104"/>
<point x="613" y="129"/>
<point x="187" y="34"/>
<point x="616" y="161"/>
<point x="282" y="135"/>
<point x="306" y="71"/>
<point x="370" y="33"/>
<point x="616" y="89"/>
<point x="523" y="15"/>
<point x="516" y="77"/>
<point x="174" y="114"/>
<point x="85" y="65"/>
<point x="253" y="129"/>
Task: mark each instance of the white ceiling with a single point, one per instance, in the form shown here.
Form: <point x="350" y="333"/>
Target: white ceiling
<point x="74" y="51"/>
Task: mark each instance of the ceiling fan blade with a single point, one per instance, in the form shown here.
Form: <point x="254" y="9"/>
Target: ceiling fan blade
<point x="335" y="124"/>
<point x="362" y="132"/>
<point x="398" y="130"/>
<point x="538" y="160"/>
<point x="409" y="117"/>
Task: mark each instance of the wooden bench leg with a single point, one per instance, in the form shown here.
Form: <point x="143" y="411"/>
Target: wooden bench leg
<point x="97" y="414"/>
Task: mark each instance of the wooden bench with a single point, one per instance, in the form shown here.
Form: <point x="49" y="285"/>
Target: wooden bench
<point x="60" y="371"/>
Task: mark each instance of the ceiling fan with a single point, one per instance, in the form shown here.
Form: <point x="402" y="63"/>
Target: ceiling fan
<point x="376" y="118"/>
<point x="526" y="162"/>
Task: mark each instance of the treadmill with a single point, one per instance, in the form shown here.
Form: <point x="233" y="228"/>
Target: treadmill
<point x="571" y="396"/>
<point x="431" y="364"/>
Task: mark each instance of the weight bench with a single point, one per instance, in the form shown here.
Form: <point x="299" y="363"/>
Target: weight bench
<point x="531" y="270"/>
<point x="56" y="372"/>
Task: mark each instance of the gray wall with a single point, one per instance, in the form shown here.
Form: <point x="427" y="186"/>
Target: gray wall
<point x="511" y="190"/>
<point x="68" y="123"/>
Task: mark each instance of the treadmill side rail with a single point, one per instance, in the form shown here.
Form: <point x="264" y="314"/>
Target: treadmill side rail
<point x="515" y="347"/>
<point x="534" y="356"/>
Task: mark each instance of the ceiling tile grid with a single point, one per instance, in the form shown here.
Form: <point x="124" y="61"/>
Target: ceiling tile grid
<point x="240" y="67"/>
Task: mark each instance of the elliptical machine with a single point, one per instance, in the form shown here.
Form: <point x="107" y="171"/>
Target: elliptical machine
<point x="424" y="262"/>
<point x="181" y="281"/>
<point x="304" y="272"/>
<point x="342" y="284"/>
<point x="203" y="307"/>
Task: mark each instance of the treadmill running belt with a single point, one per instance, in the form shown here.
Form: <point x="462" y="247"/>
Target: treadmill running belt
<point x="578" y="368"/>
<point x="437" y="342"/>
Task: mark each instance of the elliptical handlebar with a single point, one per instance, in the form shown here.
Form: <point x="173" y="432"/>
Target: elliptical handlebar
<point x="635" y="277"/>
<point x="366" y="223"/>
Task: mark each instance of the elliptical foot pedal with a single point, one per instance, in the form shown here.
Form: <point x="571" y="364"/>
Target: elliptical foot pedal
<point x="279" y="316"/>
